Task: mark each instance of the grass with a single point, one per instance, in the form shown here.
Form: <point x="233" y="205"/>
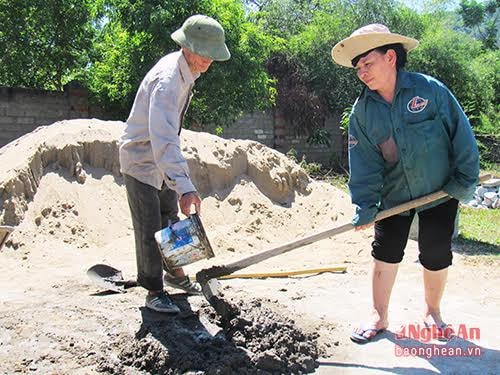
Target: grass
<point x="480" y="225"/>
<point x="479" y="234"/>
<point x="338" y="180"/>
<point x="479" y="229"/>
<point x="491" y="168"/>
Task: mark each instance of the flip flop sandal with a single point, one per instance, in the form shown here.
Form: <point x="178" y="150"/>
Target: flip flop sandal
<point x="360" y="339"/>
<point x="444" y="331"/>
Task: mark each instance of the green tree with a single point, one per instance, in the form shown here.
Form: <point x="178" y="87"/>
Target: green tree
<point x="333" y="20"/>
<point x="487" y="70"/>
<point x="43" y="42"/>
<point x="241" y="84"/>
<point x="449" y="56"/>
<point x="483" y="19"/>
<point x="114" y="74"/>
<point x="138" y="34"/>
<point x="284" y="18"/>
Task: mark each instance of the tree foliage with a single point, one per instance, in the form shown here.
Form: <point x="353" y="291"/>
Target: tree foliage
<point x="451" y="56"/>
<point x="138" y="34"/>
<point x="447" y="56"/>
<point x="280" y="52"/>
<point x="308" y="72"/>
<point x="284" y="18"/>
<point x="483" y="19"/>
<point x="43" y="42"/>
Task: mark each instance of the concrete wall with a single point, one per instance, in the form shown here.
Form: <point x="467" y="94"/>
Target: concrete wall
<point x="23" y="110"/>
<point x="286" y="139"/>
<point x="258" y="126"/>
<point x="271" y="129"/>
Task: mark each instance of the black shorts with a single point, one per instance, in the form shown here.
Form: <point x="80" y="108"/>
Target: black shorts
<point x="435" y="230"/>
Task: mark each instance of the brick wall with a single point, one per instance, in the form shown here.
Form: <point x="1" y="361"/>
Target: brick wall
<point x="258" y="126"/>
<point x="321" y="153"/>
<point x="23" y="110"/>
<point x="271" y="129"/>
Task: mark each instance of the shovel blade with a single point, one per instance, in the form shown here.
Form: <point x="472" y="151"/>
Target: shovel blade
<point x="211" y="291"/>
<point x="5" y="230"/>
<point x="107" y="277"/>
<point x="211" y="288"/>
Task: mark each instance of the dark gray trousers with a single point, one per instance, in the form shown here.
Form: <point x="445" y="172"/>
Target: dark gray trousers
<point x="151" y="210"/>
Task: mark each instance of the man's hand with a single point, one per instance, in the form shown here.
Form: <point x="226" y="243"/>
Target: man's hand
<point x="363" y="227"/>
<point x="187" y="200"/>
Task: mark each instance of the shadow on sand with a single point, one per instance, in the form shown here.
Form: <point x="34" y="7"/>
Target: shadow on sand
<point x="180" y="343"/>
<point x="456" y="356"/>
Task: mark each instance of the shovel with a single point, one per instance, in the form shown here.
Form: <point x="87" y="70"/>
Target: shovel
<point x="5" y="230"/>
<point x="207" y="277"/>
<point x="109" y="278"/>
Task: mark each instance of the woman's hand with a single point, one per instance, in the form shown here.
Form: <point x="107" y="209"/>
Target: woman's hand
<point x="363" y="227"/>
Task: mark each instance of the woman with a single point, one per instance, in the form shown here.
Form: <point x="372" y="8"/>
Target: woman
<point x="408" y="137"/>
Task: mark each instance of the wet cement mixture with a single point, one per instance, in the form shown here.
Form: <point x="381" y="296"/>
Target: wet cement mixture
<point x="257" y="341"/>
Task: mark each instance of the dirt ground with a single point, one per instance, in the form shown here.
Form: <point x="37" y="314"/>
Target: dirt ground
<point x="61" y="190"/>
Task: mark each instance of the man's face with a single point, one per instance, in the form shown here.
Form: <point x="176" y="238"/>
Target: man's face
<point x="376" y="68"/>
<point x="197" y="63"/>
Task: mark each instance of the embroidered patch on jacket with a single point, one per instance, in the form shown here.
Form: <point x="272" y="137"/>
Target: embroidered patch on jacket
<point x="352" y="141"/>
<point x="417" y="104"/>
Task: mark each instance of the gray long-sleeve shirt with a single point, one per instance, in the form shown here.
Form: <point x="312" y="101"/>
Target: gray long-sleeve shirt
<point x="150" y="148"/>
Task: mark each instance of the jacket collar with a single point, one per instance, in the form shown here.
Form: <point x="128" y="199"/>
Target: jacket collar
<point x="186" y="73"/>
<point x="403" y="81"/>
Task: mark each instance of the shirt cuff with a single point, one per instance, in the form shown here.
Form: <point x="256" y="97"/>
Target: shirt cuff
<point x="364" y="216"/>
<point x="181" y="185"/>
<point x="458" y="191"/>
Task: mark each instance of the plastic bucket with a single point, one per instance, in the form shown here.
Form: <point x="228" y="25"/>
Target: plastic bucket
<point x="184" y="242"/>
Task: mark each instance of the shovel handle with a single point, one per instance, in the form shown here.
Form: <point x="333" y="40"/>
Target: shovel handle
<point x="126" y="284"/>
<point x="243" y="263"/>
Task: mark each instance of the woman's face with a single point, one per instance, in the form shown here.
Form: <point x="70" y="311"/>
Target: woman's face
<point x="376" y="69"/>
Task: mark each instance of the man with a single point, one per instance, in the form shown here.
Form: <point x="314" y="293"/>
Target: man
<point x="155" y="172"/>
<point x="408" y="137"/>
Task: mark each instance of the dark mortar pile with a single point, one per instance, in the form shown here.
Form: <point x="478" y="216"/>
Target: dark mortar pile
<point x="257" y="341"/>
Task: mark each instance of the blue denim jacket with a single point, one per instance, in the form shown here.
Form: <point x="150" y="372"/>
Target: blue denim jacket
<point x="420" y="143"/>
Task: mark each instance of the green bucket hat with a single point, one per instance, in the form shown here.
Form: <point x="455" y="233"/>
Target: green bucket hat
<point x="204" y="36"/>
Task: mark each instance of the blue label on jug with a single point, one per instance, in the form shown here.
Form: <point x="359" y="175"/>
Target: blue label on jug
<point x="179" y="237"/>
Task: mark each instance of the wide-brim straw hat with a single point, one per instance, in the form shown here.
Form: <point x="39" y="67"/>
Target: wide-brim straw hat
<point x="365" y="39"/>
<point x="203" y="36"/>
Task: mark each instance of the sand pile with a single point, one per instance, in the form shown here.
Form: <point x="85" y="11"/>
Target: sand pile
<point x="60" y="187"/>
<point x="253" y="195"/>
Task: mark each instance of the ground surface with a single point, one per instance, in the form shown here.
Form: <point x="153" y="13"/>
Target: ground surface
<point x="54" y="321"/>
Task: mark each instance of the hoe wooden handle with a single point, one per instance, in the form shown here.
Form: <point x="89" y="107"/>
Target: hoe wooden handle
<point x="243" y="263"/>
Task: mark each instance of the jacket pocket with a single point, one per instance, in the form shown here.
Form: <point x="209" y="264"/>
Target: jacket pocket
<point x="430" y="134"/>
<point x="389" y="150"/>
<point x="417" y="118"/>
